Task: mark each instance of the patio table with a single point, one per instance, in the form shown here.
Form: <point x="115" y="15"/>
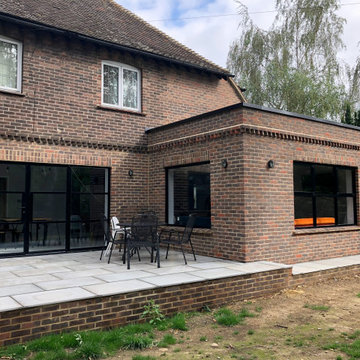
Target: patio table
<point x="127" y="229"/>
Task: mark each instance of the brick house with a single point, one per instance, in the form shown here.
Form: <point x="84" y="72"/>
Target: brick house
<point x="100" y="113"/>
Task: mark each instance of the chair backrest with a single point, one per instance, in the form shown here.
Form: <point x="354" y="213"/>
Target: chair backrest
<point x="188" y="228"/>
<point x="105" y="227"/>
<point x="144" y="228"/>
<point x="114" y="225"/>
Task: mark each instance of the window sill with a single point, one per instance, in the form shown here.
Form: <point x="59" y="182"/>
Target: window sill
<point x="104" y="107"/>
<point x="324" y="230"/>
<point x="11" y="92"/>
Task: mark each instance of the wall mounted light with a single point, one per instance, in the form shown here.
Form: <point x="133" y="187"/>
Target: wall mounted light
<point x="131" y="172"/>
<point x="271" y="164"/>
<point x="224" y="163"/>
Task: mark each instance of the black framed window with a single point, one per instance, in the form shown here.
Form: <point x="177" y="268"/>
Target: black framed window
<point x="188" y="192"/>
<point x="324" y="195"/>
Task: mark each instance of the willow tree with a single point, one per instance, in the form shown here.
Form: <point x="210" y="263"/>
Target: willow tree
<point x="292" y="66"/>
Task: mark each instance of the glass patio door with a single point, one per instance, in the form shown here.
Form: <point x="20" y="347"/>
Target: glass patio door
<point x="12" y="208"/>
<point x="47" y="203"/>
<point x="46" y="208"/>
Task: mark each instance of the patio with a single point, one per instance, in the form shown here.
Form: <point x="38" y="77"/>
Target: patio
<point x="47" y="294"/>
<point x="48" y="279"/>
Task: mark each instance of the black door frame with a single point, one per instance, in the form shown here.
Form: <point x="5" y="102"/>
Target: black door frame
<point x="26" y="208"/>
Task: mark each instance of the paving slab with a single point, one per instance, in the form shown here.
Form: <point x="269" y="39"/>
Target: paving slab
<point x="68" y="283"/>
<point x="172" y="270"/>
<point x="124" y="275"/>
<point x="27" y="280"/>
<point x="218" y="273"/>
<point x="172" y="279"/>
<point x="82" y="273"/>
<point x="7" y="303"/>
<point x="119" y="287"/>
<point x="18" y="289"/>
<point x="52" y="297"/>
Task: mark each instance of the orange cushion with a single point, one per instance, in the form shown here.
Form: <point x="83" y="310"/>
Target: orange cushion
<point x="319" y="221"/>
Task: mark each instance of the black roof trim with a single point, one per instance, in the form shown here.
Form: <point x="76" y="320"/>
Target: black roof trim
<point x="41" y="26"/>
<point x="255" y="107"/>
<point x="300" y="116"/>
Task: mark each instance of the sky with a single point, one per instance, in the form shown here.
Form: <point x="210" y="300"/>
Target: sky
<point x="212" y="29"/>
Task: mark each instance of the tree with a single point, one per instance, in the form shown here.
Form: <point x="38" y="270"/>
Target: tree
<point x="357" y="118"/>
<point x="294" y="65"/>
<point x="348" y="119"/>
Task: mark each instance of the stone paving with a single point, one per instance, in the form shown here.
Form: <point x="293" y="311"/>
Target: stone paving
<point x="47" y="279"/>
<point x="312" y="266"/>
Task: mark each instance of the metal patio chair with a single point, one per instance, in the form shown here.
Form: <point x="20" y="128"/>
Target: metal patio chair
<point x="110" y="239"/>
<point x="143" y="233"/>
<point x="179" y="238"/>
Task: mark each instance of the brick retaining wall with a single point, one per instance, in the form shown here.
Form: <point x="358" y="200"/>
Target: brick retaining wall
<point x="18" y="326"/>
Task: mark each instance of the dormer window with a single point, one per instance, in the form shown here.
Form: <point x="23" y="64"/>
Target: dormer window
<point x="10" y="64"/>
<point x="120" y="86"/>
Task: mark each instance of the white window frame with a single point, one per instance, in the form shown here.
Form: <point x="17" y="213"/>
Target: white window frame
<point x="121" y="67"/>
<point x="19" y="64"/>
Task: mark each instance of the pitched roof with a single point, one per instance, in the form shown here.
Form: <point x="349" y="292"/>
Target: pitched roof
<point x="107" y="21"/>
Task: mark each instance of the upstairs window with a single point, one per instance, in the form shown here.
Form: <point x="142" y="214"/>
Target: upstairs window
<point x="324" y="195"/>
<point x="10" y="64"/>
<point x="120" y="86"/>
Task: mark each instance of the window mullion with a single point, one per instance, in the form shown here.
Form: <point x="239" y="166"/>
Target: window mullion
<point x="121" y="86"/>
<point x="336" y="193"/>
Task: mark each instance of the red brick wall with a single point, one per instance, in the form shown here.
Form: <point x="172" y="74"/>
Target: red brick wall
<point x="252" y="206"/>
<point x="62" y="91"/>
<point x="128" y="194"/>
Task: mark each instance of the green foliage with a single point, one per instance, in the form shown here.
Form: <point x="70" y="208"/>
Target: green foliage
<point x="178" y="322"/>
<point x="140" y="357"/>
<point x="83" y="345"/>
<point x="352" y="349"/>
<point x="153" y="313"/>
<point x="226" y="317"/>
<point x="348" y="119"/>
<point x="358" y="295"/>
<point x="203" y="338"/>
<point x="317" y="307"/>
<point x="167" y="340"/>
<point x="294" y="66"/>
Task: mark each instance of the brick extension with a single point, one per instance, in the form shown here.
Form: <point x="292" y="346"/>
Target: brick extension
<point x="252" y="207"/>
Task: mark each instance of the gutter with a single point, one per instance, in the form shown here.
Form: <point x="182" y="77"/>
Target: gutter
<point x="72" y="34"/>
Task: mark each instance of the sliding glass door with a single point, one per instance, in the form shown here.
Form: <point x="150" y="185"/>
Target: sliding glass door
<point x="12" y="208"/>
<point x="51" y="208"/>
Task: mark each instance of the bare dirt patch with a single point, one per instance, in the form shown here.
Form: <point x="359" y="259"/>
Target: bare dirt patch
<point x="293" y="324"/>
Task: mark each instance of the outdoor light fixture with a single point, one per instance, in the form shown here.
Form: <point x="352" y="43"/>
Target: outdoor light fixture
<point x="224" y="163"/>
<point x="131" y="172"/>
<point x="270" y="164"/>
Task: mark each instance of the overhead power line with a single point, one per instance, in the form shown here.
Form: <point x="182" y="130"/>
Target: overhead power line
<point x="232" y="14"/>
